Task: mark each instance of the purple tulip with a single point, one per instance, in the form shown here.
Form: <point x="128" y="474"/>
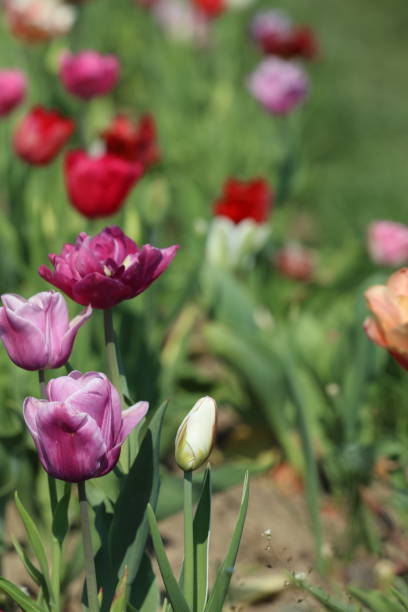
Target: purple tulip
<point x="104" y="270"/>
<point x="80" y="429"/>
<point x="89" y="73"/>
<point x="37" y="333"/>
<point x="278" y="85"/>
<point x="12" y="90"/>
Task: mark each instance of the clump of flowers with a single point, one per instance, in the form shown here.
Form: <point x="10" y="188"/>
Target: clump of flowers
<point x="239" y="228"/>
<point x="12" y="90"/>
<point x="41" y="135"/>
<point x="38" y="20"/>
<point x="278" y="85"/>
<point x="275" y="34"/>
<point x="388" y="327"/>
<point x="387" y="243"/>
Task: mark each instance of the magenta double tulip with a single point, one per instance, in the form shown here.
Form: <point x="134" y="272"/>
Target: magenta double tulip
<point x="89" y="74"/>
<point x="80" y="429"/>
<point x="104" y="270"/>
<point x="37" y="333"/>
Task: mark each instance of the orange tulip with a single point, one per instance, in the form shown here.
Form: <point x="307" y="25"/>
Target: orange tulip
<point x="389" y="326"/>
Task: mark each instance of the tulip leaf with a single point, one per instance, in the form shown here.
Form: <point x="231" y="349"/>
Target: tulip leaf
<point x="376" y="601"/>
<point x="201" y="534"/>
<point x="60" y="524"/>
<point x="173" y="590"/>
<point x="119" y="600"/>
<point x="35" y="541"/>
<point x="224" y="574"/>
<point x="145" y="599"/>
<point x="32" y="571"/>
<point x="129" y="529"/>
<point x="21" y="599"/>
<point x="403" y="599"/>
<point x="324" y="598"/>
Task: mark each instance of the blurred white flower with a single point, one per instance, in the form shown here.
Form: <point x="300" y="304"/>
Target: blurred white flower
<point x="196" y="434"/>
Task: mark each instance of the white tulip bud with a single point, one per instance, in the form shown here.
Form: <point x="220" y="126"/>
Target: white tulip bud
<point x="196" y="435"/>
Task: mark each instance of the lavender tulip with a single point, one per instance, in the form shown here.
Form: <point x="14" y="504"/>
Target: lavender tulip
<point x="37" y="333"/>
<point x="80" y="429"/>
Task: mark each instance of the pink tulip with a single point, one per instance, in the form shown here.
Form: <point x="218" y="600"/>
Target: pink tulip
<point x="80" y="429"/>
<point x="12" y="90"/>
<point x="89" y="73"/>
<point x="104" y="270"/>
<point x="37" y="333"/>
<point x="278" y="85"/>
<point x="388" y="243"/>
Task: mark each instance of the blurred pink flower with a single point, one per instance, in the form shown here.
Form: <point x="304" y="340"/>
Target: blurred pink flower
<point x="107" y="269"/>
<point x="388" y="243"/>
<point x="89" y="74"/>
<point x="37" y="333"/>
<point x="296" y="262"/>
<point x="80" y="429"/>
<point x="270" y="23"/>
<point x="12" y="90"/>
<point x="278" y="85"/>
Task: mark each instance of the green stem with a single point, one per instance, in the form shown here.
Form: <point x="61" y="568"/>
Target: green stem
<point x="115" y="369"/>
<point x="188" y="583"/>
<point x="90" y="573"/>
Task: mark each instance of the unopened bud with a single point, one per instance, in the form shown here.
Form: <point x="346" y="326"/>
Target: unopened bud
<point x="196" y="434"/>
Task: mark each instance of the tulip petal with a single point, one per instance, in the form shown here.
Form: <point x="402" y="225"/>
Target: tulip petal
<point x="374" y="332"/>
<point x="23" y="341"/>
<point x="147" y="266"/>
<point x="382" y="303"/>
<point x="398" y="282"/>
<point x="70" y="444"/>
<point x="100" y="291"/>
<point x="130" y="418"/>
<point x="70" y="335"/>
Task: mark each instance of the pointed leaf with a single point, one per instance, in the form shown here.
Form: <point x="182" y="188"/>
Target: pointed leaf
<point x="224" y="574"/>
<point x="21" y="599"/>
<point x="119" y="601"/>
<point x="60" y="524"/>
<point x="32" y="571"/>
<point x="173" y="590"/>
<point x="145" y="594"/>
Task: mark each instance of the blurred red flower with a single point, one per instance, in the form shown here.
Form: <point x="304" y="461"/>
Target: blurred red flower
<point x="41" y="135"/>
<point x="244" y="200"/>
<point x="275" y="34"/>
<point x="97" y="186"/>
<point x="133" y="141"/>
<point x="295" y="262"/>
<point x="210" y="8"/>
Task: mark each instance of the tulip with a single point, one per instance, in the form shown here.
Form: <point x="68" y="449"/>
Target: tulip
<point x="278" y="85"/>
<point x="41" y="135"/>
<point x="196" y="435"/>
<point x="80" y="429"/>
<point x="135" y="142"/>
<point x="295" y="262"/>
<point x="89" y="74"/>
<point x="181" y="21"/>
<point x="389" y="325"/>
<point x="37" y="333"/>
<point x="210" y="8"/>
<point x="104" y="270"/>
<point x="244" y="200"/>
<point x="38" y="20"/>
<point x="274" y="33"/>
<point x="12" y="90"/>
<point x="98" y="186"/>
<point x="388" y="243"/>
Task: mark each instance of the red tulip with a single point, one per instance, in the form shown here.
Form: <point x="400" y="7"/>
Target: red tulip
<point x="41" y="135"/>
<point x="241" y="200"/>
<point x="97" y="186"/>
<point x="210" y="8"/>
<point x="133" y="141"/>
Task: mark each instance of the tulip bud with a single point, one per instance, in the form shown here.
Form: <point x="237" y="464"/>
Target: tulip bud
<point x="196" y="435"/>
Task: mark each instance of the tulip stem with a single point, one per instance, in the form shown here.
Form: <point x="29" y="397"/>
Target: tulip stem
<point x="115" y="369"/>
<point x="188" y="540"/>
<point x="90" y="573"/>
<point x="52" y="485"/>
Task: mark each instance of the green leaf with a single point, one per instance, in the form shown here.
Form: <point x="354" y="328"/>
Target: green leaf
<point x="146" y="598"/>
<point x="324" y="598"/>
<point x="119" y="600"/>
<point x="35" y="541"/>
<point x="60" y="524"/>
<point x="403" y="599"/>
<point x="32" y="571"/>
<point x="376" y="601"/>
<point x="201" y="534"/>
<point x="174" y="593"/>
<point x="224" y="574"/>
<point x="129" y="529"/>
<point x="17" y="595"/>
